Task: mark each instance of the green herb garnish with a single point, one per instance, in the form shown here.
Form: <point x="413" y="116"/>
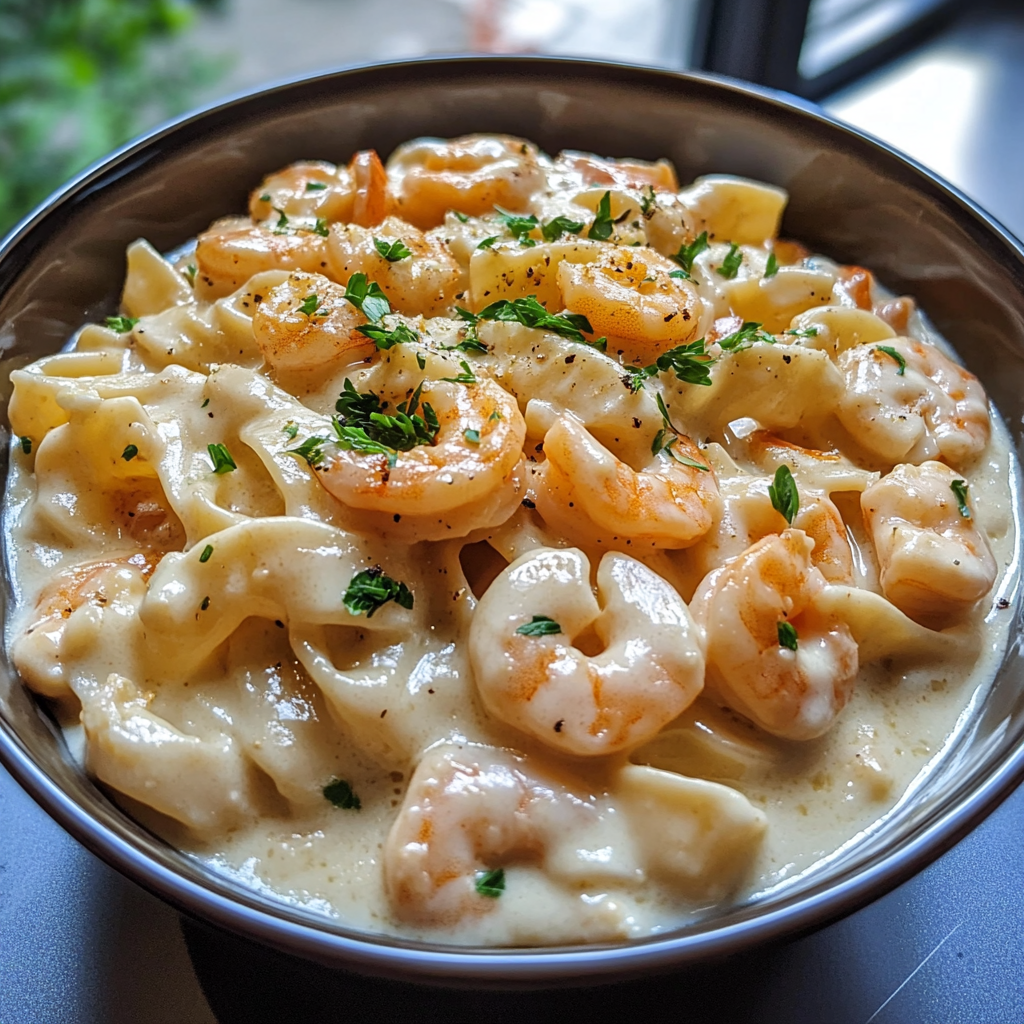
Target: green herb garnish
<point x="787" y="635"/>
<point x="687" y="254"/>
<point x="539" y="625"/>
<point x="530" y="313"/>
<point x="207" y="551"/>
<point x="518" y="225"/>
<point x="341" y="794"/>
<point x="392" y="251"/>
<point x="742" y="339"/>
<point x="320" y="228"/>
<point x="385" y="339"/>
<point x="310" y="305"/>
<point x="648" y="201"/>
<point x="461" y="216"/>
<point x="26" y="444"/>
<point x="784" y="495"/>
<point x="892" y="353"/>
<point x="265" y="198"/>
<point x="363" y="425"/>
<point x="690" y="363"/>
<point x="290" y="429"/>
<point x="190" y="274"/>
<point x="472" y="436"/>
<point x="221" y="458"/>
<point x="471" y="343"/>
<point x="129" y="453"/>
<point x="803" y="332"/>
<point x="603" y="224"/>
<point x="372" y="589"/>
<point x="206" y="402"/>
<point x="315" y="186"/>
<point x="312" y="450"/>
<point x="554" y="229"/>
<point x="367" y="297"/>
<point x="491" y="883"/>
<point x="771" y="268"/>
<point x="731" y="264"/>
<point x="668" y="436"/>
<point x="488" y="242"/>
<point x="281" y="227"/>
<point x="466" y="377"/>
<point x="959" y="488"/>
<point x="121" y="324"/>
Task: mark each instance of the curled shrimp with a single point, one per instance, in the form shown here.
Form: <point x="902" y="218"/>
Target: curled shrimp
<point x="306" y="323"/>
<point x="754" y="611"/>
<point x="589" y="169"/>
<point x="934" y="561"/>
<point x="913" y="406"/>
<point x="585" y="491"/>
<point x="232" y="251"/>
<point x="425" y="280"/>
<point x="628" y="294"/>
<point x="650" y="670"/>
<point x="476" y="452"/>
<point x="472" y="175"/>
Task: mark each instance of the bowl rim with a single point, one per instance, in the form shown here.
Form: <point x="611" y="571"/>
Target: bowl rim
<point x="960" y="811"/>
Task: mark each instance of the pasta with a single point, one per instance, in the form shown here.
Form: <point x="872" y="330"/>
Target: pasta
<point x="503" y="549"/>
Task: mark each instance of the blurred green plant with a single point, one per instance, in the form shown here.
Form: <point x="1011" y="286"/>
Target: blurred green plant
<point x="80" y="77"/>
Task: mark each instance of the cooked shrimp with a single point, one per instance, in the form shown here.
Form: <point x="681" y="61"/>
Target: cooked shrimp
<point x="306" y="323"/>
<point x="36" y="652"/>
<point x="589" y="169"/>
<point x="373" y="199"/>
<point x="470" y="811"/>
<point x="232" y="251"/>
<point x="475" y="453"/>
<point x="306" y="189"/>
<point x="628" y="294"/>
<point x="424" y="281"/>
<point x="584" y="490"/>
<point x="928" y="408"/>
<point x="472" y="175"/>
<point x="747" y="609"/>
<point x="934" y="561"/>
<point x="650" y="670"/>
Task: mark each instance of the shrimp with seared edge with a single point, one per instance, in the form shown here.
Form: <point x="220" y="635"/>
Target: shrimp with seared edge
<point x="771" y="655"/>
<point x="306" y="323"/>
<point x="471" y="175"/>
<point x="628" y="294"/>
<point x="584" y="490"/>
<point x="529" y="675"/>
<point x="912" y="403"/>
<point x="934" y="561"/>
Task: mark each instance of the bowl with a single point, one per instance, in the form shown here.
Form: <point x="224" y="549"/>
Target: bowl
<point x="852" y="198"/>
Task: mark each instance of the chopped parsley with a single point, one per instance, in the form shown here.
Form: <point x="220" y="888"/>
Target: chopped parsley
<point x="461" y="216"/>
<point x="121" y="324"/>
<point x="803" y="332"/>
<point x="207" y="551"/>
<point x="391" y="251"/>
<point x="466" y="377"/>
<point x="959" y="488"/>
<point x="784" y="495"/>
<point x="771" y="268"/>
<point x="787" y="635"/>
<point x="668" y="436"/>
<point x="472" y="436"/>
<point x="206" y="402"/>
<point x="731" y="264"/>
<point x="601" y="229"/>
<point x="367" y="297"/>
<point x="290" y="429"/>
<point x="892" y="353"/>
<point x="488" y="242"/>
<point x="530" y="313"/>
<point x="421" y="361"/>
<point x="690" y="363"/>
<point x="539" y="625"/>
<point x="315" y="186"/>
<point x="221" y="459"/>
<point x="518" y="225"/>
<point x="385" y="339"/>
<point x="648" y="201"/>
<point x="281" y="227"/>
<point x="129" y="453"/>
<point x="687" y="254"/>
<point x="320" y="228"/>
<point x="742" y="339"/>
<point x="265" y="198"/>
<point x="190" y="274"/>
<point x="312" y="450"/>
<point x="491" y="883"/>
<point x="310" y="305"/>
<point x="341" y="794"/>
<point x="554" y="229"/>
<point x="363" y="426"/>
<point x="372" y="589"/>
<point x="26" y="444"/>
<point x="471" y="343"/>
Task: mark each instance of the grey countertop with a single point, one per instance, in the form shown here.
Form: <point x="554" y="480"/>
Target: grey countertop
<point x="78" y="943"/>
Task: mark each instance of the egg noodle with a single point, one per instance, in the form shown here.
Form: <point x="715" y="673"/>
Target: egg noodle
<point x="505" y="549"/>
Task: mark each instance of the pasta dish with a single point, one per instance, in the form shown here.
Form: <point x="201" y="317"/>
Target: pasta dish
<point x="501" y="549"/>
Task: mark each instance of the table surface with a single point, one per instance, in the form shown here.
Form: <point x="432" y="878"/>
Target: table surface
<point x="81" y="945"/>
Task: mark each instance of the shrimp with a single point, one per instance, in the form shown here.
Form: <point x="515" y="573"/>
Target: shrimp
<point x="292" y="338"/>
<point x="628" y="294"/>
<point x="584" y="490"/>
<point x="475" y="453"/>
<point x="472" y="175"/>
<point x="934" y="561"/>
<point x="917" y="407"/>
<point x="650" y="670"/>
<point x="470" y="811"/>
<point x="754" y="611"/>
<point x="425" y="280"/>
<point x="233" y="250"/>
<point x="588" y="169"/>
<point x="36" y="652"/>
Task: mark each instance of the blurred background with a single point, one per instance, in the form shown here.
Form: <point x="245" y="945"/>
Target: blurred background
<point x="78" y="78"/>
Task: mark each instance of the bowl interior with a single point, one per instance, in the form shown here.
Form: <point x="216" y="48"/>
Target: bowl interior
<point x="851" y="199"/>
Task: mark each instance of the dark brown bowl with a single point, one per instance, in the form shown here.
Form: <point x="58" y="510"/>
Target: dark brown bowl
<point x="852" y="198"/>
